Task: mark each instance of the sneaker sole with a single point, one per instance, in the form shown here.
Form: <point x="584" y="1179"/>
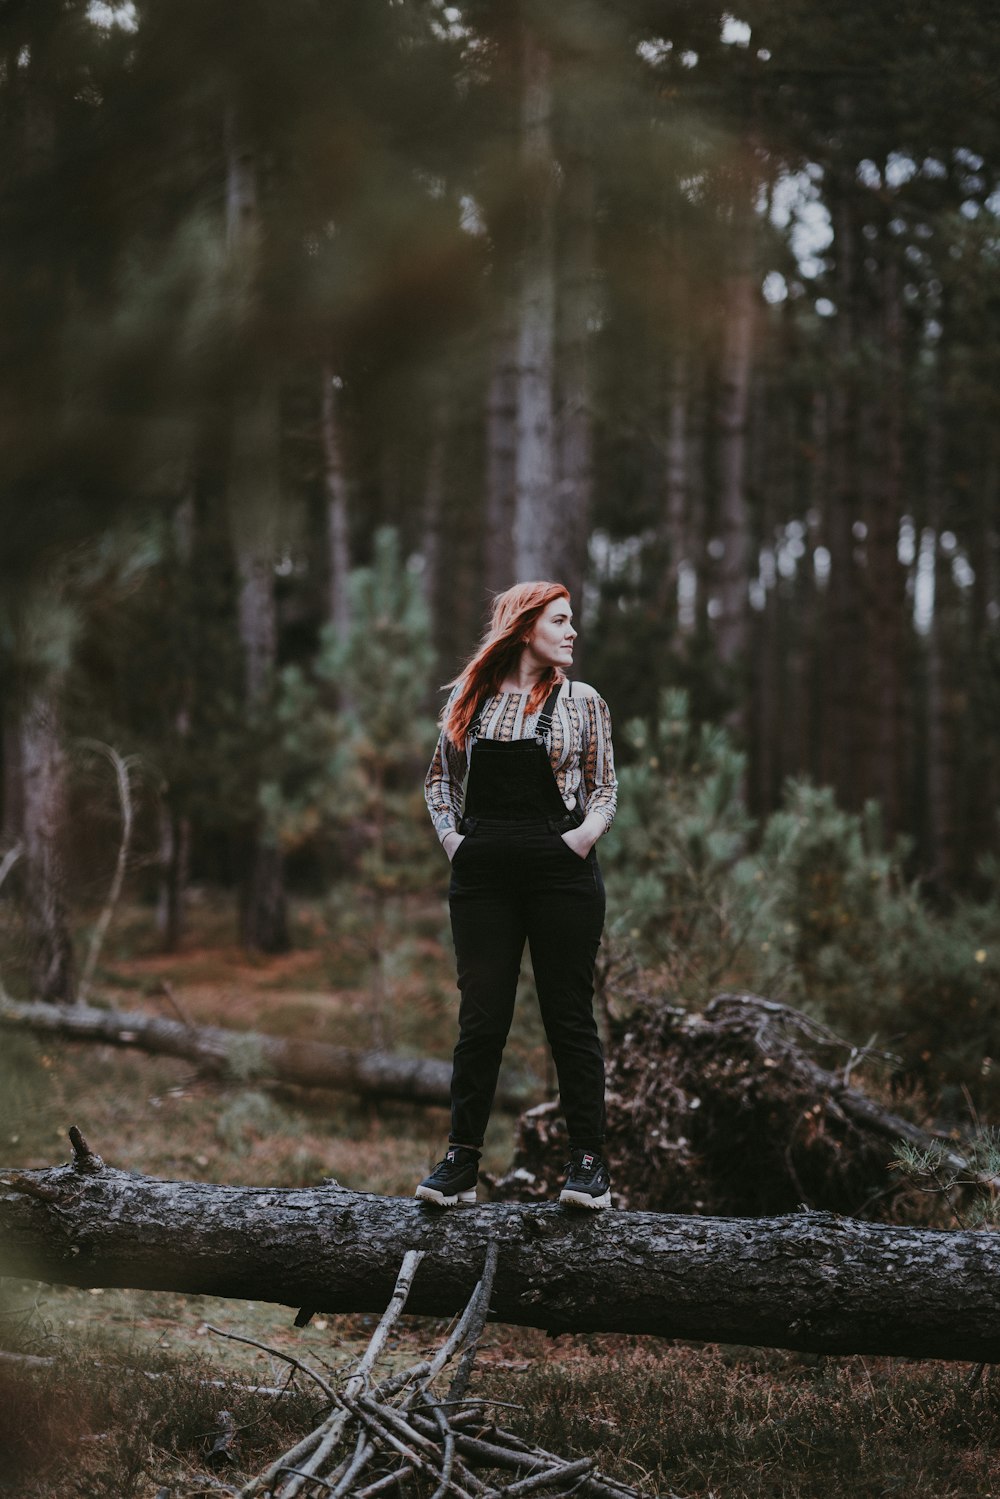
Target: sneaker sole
<point x="582" y="1200"/>
<point x="442" y="1200"/>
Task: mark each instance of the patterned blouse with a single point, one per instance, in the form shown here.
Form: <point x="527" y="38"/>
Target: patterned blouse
<point x="579" y="750"/>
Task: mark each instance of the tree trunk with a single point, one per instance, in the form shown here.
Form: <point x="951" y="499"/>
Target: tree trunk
<point x="433" y="526"/>
<point x="674" y="527"/>
<point x="885" y="596"/>
<point x="175" y="824"/>
<point x="43" y="772"/>
<point x="809" y="1281"/>
<point x="940" y="735"/>
<point x="175" y="864"/>
<point x="536" y="539"/>
<point x="739" y="316"/>
<point x="501" y="455"/>
<point x="13" y="788"/>
<point x="254" y="484"/>
<point x="248" y="1054"/>
<point x="337" y="509"/>
<point x="575" y="477"/>
<point x="840" y="671"/>
<point x="254" y="503"/>
<point x="982" y="782"/>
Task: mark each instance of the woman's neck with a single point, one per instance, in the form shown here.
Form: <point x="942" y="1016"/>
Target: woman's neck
<point x="526" y="674"/>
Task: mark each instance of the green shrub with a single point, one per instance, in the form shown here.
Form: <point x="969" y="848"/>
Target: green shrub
<point x="678" y="904"/>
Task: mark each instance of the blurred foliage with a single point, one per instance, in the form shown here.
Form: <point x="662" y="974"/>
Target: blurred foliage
<point x="679" y="902"/>
<point x="353" y="742"/>
<point x="353" y="735"/>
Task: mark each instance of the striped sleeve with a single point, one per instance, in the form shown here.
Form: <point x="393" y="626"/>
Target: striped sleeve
<point x="599" y="782"/>
<point x="444" y="783"/>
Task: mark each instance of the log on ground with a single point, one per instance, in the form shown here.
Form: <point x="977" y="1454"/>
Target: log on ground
<point x="246" y="1055"/>
<point x="808" y="1281"/>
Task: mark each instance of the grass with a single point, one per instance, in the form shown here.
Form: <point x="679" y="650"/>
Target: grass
<point x="95" y="1428"/>
<point x="700" y="1421"/>
<point x="747" y="1424"/>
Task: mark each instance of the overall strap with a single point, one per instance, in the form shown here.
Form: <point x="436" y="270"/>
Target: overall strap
<point x="473" y="730"/>
<point x="544" y="724"/>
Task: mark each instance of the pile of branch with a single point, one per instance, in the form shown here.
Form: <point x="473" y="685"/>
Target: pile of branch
<point x="729" y="1112"/>
<point x="384" y="1436"/>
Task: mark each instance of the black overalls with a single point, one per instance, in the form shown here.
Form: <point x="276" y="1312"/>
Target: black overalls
<point x="513" y="879"/>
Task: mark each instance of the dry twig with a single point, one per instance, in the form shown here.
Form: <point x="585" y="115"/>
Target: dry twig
<point x="122" y="769"/>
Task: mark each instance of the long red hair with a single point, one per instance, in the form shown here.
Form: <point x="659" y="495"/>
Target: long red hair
<point x="512" y="618"/>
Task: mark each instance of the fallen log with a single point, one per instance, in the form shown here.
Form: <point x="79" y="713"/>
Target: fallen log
<point x="808" y="1281"/>
<point x="249" y="1055"/>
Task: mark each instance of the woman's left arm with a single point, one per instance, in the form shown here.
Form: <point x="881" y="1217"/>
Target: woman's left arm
<point x="599" y="784"/>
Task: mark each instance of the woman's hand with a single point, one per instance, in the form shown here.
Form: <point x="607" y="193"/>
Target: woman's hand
<point x="582" y="839"/>
<point x="579" y="841"/>
<point x="450" y="843"/>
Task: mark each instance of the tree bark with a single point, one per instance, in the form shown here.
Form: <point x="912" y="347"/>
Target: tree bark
<point x="43" y="772"/>
<point x="501" y="453"/>
<point x="842" y="668"/>
<point x="809" y="1281"/>
<point x="885" y="579"/>
<point x="740" y="299"/>
<point x="941" y="695"/>
<point x="175" y="864"/>
<point x="535" y="521"/>
<point x="674" y="526"/>
<point x="575" y="453"/>
<point x="254" y="503"/>
<point x="433" y="528"/>
<point x="250" y="1054"/>
<point x="175" y="822"/>
<point x="12" y="818"/>
<point x="337" y="509"/>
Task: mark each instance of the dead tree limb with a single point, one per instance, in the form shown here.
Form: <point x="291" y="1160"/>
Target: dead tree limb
<point x="246" y="1055"/>
<point x="811" y="1281"/>
<point x="123" y="780"/>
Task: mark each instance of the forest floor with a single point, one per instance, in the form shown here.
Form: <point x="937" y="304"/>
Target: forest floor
<point x="701" y="1421"/>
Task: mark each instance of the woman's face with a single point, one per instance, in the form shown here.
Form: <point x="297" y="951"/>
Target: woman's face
<point x="551" y="640"/>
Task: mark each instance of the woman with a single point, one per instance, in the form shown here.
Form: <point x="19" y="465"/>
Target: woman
<point x="534" y="749"/>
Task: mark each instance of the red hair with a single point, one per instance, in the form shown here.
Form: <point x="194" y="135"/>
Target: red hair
<point x="513" y="616"/>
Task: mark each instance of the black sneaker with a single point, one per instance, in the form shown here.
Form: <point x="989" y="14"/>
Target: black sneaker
<point x="588" y="1181"/>
<point x="453" y="1180"/>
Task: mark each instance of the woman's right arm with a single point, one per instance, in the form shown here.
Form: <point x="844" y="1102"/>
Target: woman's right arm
<point x="443" y="792"/>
